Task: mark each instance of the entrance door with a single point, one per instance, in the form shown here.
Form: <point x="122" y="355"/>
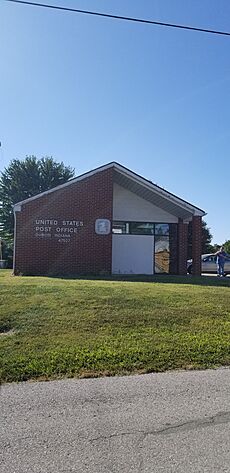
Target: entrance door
<point x="132" y="254"/>
<point x="162" y="256"/>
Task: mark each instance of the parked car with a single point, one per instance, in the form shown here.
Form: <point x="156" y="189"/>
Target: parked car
<point x="208" y="264"/>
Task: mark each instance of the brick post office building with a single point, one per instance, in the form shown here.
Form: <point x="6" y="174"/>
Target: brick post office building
<point x="107" y="221"/>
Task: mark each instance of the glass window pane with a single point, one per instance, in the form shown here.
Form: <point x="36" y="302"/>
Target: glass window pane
<point x="119" y="227"/>
<point x="162" y="254"/>
<point x="141" y="228"/>
<point x="162" y="229"/>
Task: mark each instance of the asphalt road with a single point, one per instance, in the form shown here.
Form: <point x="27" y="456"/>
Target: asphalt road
<point x="171" y="422"/>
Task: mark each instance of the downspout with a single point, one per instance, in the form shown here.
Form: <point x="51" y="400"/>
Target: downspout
<point x="17" y="208"/>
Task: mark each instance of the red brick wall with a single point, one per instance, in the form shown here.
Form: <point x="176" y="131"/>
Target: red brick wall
<point x="173" y="248"/>
<point x="196" y="245"/>
<point x="182" y="247"/>
<point x="75" y="253"/>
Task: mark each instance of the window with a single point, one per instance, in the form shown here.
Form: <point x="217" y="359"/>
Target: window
<point x="162" y="254"/>
<point x="209" y="259"/>
<point x="162" y="229"/>
<point x="141" y="228"/>
<point x="120" y="227"/>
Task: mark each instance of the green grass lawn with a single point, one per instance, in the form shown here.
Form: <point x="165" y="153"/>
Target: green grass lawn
<point x="53" y="327"/>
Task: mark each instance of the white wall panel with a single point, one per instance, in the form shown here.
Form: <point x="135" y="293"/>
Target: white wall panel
<point x="132" y="254"/>
<point x="130" y="207"/>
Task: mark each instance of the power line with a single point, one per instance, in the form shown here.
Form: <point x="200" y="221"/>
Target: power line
<point x="117" y="17"/>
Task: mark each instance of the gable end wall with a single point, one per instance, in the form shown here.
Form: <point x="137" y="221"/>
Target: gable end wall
<point x="84" y="252"/>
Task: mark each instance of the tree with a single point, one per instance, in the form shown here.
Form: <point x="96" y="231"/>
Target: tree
<point x="206" y="239"/>
<point x="227" y="246"/>
<point x="23" y="179"/>
<point x="215" y="248"/>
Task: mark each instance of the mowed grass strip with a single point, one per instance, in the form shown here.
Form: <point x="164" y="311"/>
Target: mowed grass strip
<point x="51" y="328"/>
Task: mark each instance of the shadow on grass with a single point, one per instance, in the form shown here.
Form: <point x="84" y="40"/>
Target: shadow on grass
<point x="203" y="280"/>
<point x="210" y="280"/>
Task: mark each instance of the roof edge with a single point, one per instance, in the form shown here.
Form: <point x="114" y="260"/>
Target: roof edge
<point x="166" y="194"/>
<point x="71" y="181"/>
<point x="181" y="202"/>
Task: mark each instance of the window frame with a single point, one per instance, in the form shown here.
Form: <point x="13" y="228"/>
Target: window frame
<point x="128" y="224"/>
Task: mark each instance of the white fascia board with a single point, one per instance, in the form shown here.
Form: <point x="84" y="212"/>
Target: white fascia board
<point x="17" y="208"/>
<point x="167" y="195"/>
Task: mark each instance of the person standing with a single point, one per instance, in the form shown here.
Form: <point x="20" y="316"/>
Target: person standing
<point x="220" y="261"/>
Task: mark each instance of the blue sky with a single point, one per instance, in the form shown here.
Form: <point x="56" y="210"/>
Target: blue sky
<point x="90" y="90"/>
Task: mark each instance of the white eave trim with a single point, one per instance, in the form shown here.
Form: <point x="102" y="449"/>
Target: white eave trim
<point x="17" y="208"/>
